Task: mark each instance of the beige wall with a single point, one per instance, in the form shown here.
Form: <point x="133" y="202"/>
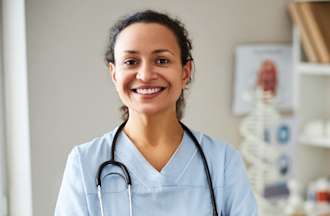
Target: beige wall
<point x="72" y="98"/>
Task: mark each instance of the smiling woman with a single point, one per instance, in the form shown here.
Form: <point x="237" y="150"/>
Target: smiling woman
<point x="157" y="157"/>
<point x="147" y="71"/>
<point x="181" y="45"/>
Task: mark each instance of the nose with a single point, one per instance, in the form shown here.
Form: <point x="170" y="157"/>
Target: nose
<point x="146" y="72"/>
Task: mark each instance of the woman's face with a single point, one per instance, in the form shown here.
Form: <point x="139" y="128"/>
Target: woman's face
<point x="148" y="73"/>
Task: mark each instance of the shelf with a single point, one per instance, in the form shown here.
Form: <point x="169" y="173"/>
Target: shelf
<point x="314" y="69"/>
<point x="320" y="142"/>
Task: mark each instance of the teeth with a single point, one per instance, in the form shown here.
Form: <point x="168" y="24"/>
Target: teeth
<point x="147" y="90"/>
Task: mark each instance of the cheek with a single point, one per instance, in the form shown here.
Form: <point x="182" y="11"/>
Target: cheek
<point x="124" y="80"/>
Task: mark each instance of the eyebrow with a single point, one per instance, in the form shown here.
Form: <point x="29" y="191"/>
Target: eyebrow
<point x="155" y="51"/>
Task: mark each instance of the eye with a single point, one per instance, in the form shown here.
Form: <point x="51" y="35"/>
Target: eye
<point x="130" y="62"/>
<point x="162" y="61"/>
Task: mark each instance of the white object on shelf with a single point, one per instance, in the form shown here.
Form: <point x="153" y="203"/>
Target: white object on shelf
<point x="316" y="133"/>
<point x="314" y="129"/>
<point x="295" y="202"/>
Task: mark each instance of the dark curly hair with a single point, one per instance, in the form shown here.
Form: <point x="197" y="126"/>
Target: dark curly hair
<point x="150" y="16"/>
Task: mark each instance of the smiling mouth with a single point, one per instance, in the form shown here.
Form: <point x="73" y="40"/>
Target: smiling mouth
<point x="148" y="91"/>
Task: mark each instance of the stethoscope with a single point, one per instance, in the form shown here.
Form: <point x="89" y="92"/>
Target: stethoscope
<point x="126" y="176"/>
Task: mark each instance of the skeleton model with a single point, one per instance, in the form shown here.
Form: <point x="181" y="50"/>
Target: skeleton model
<point x="260" y="156"/>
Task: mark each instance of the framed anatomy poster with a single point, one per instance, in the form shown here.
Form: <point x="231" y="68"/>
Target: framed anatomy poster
<point x="271" y="61"/>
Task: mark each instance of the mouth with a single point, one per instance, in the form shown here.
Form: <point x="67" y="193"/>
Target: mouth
<point x="147" y="90"/>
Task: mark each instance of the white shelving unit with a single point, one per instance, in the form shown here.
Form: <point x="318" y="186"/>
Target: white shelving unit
<point x="313" y="69"/>
<point x="312" y="102"/>
<point x="318" y="142"/>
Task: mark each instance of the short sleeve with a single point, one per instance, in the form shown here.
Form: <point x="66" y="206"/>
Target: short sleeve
<point x="238" y="195"/>
<point x="72" y="196"/>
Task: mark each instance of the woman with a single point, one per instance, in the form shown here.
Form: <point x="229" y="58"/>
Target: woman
<point x="149" y="58"/>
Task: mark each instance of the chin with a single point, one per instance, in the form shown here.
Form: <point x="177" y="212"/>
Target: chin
<point x="151" y="111"/>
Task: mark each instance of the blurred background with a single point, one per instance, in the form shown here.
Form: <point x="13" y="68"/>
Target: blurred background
<point x="65" y="96"/>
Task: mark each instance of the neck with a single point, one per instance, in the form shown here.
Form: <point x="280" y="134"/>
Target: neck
<point x="153" y="130"/>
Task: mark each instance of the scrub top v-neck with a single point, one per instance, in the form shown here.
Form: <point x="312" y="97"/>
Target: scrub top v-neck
<point x="145" y="173"/>
<point x="179" y="189"/>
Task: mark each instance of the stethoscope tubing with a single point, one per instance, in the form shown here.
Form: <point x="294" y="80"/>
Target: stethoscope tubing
<point x="128" y="180"/>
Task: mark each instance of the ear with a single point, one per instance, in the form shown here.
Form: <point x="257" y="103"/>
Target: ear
<point x="112" y="70"/>
<point x="186" y="72"/>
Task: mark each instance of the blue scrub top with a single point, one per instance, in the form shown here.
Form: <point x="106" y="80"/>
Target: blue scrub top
<point x="179" y="189"/>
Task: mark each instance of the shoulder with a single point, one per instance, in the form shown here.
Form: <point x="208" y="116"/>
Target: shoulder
<point x="95" y="145"/>
<point x="216" y="149"/>
<point x="93" y="149"/>
<point x="96" y="148"/>
<point x="85" y="158"/>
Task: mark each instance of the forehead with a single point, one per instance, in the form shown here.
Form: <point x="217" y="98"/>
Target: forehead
<point x="146" y="37"/>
